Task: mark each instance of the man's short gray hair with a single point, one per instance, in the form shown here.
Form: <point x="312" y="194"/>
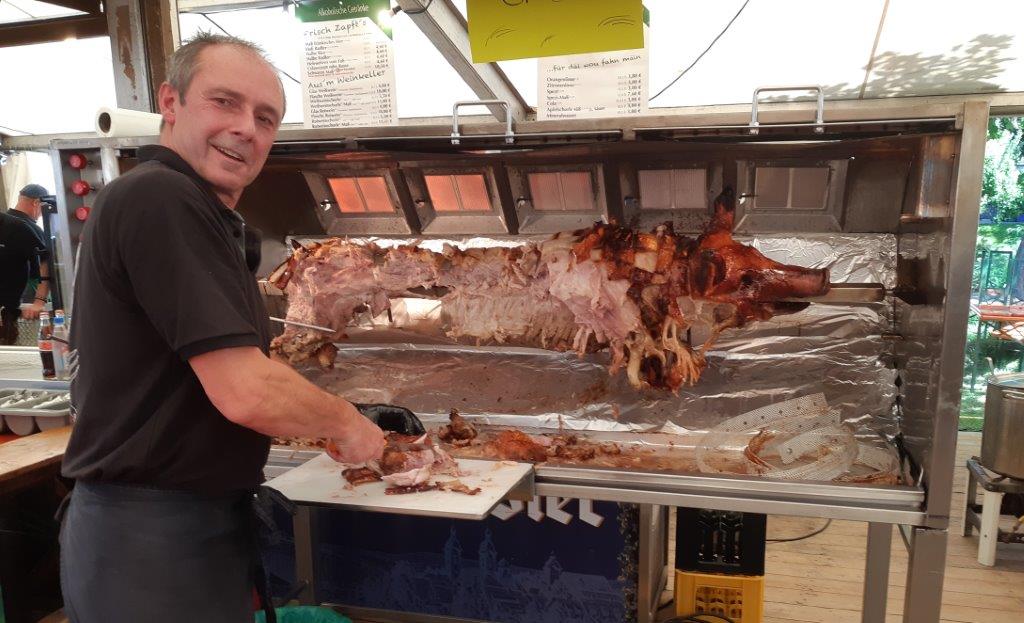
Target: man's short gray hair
<point x="182" y="65"/>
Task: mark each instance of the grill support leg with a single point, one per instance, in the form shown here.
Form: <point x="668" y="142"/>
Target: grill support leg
<point x="876" y="573"/>
<point x="925" y="572"/>
<point x="304" y="524"/>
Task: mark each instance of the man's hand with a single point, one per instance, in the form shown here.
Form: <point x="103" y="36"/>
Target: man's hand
<point x="32" y="312"/>
<point x="395" y="419"/>
<point x="363" y="441"/>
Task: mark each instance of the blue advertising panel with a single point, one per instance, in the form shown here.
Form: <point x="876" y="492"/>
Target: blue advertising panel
<point x="552" y="560"/>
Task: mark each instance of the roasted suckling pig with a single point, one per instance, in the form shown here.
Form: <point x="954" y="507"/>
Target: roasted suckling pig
<point x="605" y="287"/>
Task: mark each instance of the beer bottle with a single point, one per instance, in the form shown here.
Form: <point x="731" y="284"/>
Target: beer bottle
<point x="46" y="345"/>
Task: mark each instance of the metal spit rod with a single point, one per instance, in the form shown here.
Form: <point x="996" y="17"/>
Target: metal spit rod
<point x="303" y="325"/>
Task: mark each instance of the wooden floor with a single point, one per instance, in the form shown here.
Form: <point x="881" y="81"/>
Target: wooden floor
<point x="820" y="579"/>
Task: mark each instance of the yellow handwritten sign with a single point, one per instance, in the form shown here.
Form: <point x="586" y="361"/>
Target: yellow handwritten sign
<point x="506" y="29"/>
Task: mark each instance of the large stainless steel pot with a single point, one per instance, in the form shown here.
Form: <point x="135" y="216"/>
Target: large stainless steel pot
<point x="1002" y="439"/>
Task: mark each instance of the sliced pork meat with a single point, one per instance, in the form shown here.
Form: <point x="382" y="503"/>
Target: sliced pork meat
<point x="359" y="475"/>
<point x="457" y="431"/>
<point x="407" y="461"/>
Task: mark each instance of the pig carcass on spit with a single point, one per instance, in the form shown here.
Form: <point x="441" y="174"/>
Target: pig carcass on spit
<point x="605" y="287"/>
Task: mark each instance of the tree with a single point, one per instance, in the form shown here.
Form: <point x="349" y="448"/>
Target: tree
<point x="1002" y="188"/>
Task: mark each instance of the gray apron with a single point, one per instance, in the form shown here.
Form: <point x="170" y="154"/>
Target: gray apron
<point x="134" y="554"/>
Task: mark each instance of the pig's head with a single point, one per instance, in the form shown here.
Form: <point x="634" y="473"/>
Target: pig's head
<point x="726" y="271"/>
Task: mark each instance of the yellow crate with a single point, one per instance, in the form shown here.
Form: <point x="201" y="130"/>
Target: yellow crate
<point x="739" y="597"/>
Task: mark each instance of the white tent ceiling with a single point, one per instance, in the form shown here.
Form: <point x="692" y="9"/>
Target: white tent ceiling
<point x="934" y="47"/>
<point x="12" y="11"/>
<point x="855" y="49"/>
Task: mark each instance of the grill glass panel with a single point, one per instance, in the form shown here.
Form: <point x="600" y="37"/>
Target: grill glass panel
<point x="473" y="192"/>
<point x="791" y="187"/>
<point x="672" y="189"/>
<point x="347" y="195"/>
<point x="458" y="193"/>
<point x="772" y="187"/>
<point x="443" y="194"/>
<point x="562" y="191"/>
<point x="809" y="186"/>
<point x="357" y="195"/>
<point x="577" y="191"/>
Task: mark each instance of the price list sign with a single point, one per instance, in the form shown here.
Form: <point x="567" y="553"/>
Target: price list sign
<point x="348" y="68"/>
<point x="585" y="86"/>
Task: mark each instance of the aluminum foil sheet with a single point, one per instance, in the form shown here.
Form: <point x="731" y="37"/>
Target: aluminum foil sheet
<point x="830" y="349"/>
<point x="861" y="258"/>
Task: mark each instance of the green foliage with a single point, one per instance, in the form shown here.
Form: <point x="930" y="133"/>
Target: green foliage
<point x="1002" y="186"/>
<point x="1000" y="236"/>
<point x="998" y="126"/>
<point x="996" y="237"/>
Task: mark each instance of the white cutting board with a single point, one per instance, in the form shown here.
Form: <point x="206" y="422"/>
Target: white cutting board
<point x="319" y="482"/>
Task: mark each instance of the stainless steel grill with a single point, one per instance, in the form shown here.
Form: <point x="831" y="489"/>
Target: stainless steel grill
<point x="900" y="204"/>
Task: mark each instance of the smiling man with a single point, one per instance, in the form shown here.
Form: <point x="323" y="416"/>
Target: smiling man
<point x="175" y="396"/>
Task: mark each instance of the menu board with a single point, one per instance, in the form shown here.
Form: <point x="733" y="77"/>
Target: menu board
<point x="348" y="64"/>
<point x="600" y="84"/>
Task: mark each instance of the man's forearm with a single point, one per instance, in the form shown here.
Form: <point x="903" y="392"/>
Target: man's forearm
<point x="43" y="289"/>
<point x="287" y="405"/>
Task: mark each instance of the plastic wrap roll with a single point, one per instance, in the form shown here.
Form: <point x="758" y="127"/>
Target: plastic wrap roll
<point x="119" y="122"/>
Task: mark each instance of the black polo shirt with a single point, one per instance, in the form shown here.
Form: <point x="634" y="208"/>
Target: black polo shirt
<point x="44" y="249"/>
<point x="29" y="290"/>
<point x="19" y="258"/>
<point x="161" y="278"/>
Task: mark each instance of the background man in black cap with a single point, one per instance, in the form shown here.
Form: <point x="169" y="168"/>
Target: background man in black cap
<point x="29" y="208"/>
<point x="21" y="252"/>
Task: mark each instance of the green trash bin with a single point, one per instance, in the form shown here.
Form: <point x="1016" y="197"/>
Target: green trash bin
<point x="304" y="614"/>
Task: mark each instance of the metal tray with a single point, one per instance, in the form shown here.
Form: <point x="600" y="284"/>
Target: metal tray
<point x="35" y="402"/>
<point x="25" y="410"/>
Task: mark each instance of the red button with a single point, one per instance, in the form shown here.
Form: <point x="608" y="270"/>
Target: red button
<point x="81" y="187"/>
<point x="78" y="161"/>
<point x="82" y="213"/>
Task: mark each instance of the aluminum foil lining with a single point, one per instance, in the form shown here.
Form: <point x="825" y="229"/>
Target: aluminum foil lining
<point x="831" y="349"/>
<point x="861" y="258"/>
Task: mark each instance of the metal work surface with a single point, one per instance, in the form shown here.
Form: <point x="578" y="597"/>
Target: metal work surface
<point x="883" y="504"/>
<point x="888" y="505"/>
<point x="739" y="502"/>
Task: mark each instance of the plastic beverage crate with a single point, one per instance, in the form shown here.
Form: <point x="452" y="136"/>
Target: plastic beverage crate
<point x="739" y="597"/>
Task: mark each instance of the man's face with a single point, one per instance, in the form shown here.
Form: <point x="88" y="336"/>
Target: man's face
<point x="227" y="123"/>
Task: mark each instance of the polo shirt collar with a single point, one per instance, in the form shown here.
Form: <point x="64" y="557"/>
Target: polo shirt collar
<point x="170" y="158"/>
